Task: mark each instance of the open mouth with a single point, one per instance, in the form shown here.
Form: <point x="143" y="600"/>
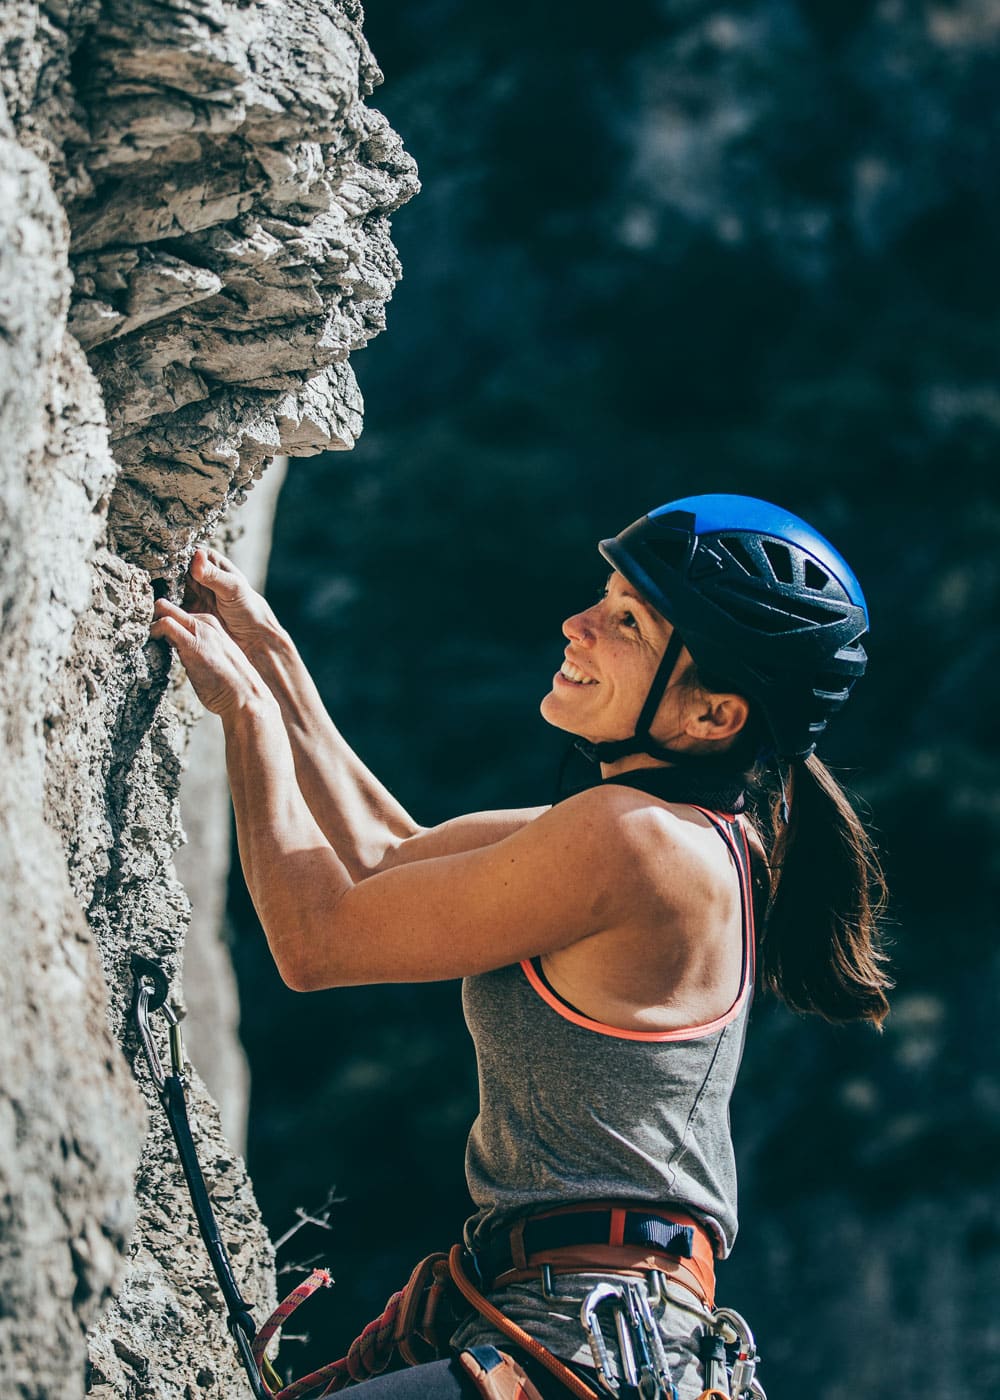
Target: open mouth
<point x="568" y="672"/>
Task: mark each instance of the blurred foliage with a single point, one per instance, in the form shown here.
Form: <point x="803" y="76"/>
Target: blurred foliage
<point x="694" y="249"/>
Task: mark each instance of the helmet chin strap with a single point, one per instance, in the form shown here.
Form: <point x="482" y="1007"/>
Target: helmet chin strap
<point x="642" y="740"/>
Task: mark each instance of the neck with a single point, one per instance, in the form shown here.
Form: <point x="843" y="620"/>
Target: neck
<point x="713" y="789"/>
<point x="631" y="763"/>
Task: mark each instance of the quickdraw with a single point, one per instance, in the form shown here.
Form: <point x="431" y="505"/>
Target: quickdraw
<point x="151" y="988"/>
<point x="406" y="1325"/>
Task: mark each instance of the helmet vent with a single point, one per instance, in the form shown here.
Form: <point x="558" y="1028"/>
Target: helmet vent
<point x="790" y="615"/>
<point x="780" y="559"/>
<point x="761" y="619"/>
<point x="798" y="608"/>
<point x="815" y="576"/>
<point x="741" y="554"/>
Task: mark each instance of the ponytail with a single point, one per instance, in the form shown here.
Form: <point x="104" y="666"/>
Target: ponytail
<point x="820" y="950"/>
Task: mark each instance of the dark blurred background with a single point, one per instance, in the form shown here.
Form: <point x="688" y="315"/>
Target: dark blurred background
<point x="666" y="248"/>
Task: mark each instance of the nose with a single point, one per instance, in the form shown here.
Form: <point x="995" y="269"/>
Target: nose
<point x="579" y="627"/>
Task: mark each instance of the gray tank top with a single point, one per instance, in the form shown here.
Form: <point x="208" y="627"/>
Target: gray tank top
<point x="573" y="1110"/>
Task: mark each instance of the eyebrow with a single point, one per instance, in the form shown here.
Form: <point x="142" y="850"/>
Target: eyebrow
<point x="626" y="592"/>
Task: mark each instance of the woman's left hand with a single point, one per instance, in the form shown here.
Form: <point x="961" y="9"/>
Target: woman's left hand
<point x="223" y="678"/>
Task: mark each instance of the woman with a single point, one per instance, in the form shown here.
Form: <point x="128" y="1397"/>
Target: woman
<point x="607" y="943"/>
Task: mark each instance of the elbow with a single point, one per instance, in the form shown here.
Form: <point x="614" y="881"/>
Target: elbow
<point x="292" y="966"/>
<point x="299" y="976"/>
<point x="304" y="974"/>
<point x="304" y="949"/>
<point x="293" y="979"/>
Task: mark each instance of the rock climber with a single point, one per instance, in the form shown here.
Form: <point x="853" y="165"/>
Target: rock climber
<point x="610" y="943"/>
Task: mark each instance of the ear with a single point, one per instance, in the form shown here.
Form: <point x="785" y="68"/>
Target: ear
<point x="717" y="717"/>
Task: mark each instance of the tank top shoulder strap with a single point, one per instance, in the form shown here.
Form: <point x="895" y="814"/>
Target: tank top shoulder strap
<point x="734" y="835"/>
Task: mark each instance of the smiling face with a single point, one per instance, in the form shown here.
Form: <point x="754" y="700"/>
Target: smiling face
<point x="614" y="650"/>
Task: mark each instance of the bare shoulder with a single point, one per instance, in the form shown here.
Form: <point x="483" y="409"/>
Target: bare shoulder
<point x="669" y="952"/>
<point x="661" y="846"/>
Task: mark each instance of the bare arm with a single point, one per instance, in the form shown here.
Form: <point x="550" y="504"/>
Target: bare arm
<point x="356" y="813"/>
<point x="553" y="882"/>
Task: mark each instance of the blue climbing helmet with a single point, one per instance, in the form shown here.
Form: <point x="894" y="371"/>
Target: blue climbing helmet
<point x="765" y="605"/>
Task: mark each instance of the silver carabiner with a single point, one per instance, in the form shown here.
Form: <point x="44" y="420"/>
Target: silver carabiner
<point x="658" y="1359"/>
<point x="642" y="1359"/>
<point x="607" y="1371"/>
<point x="151" y="989"/>
<point x="734" y="1329"/>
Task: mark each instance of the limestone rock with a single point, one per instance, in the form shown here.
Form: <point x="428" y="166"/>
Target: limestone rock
<point x="71" y="1114"/>
<point x="194" y="205"/>
<point x="232" y="233"/>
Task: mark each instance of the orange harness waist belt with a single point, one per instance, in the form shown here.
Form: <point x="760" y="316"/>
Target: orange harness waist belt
<point x="602" y="1236"/>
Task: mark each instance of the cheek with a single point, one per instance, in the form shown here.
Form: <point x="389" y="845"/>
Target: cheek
<point x="628" y="675"/>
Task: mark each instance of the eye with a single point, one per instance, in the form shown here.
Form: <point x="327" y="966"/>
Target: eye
<point x="628" y="620"/>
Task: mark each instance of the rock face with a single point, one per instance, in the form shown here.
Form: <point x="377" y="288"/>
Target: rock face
<point x="193" y="237"/>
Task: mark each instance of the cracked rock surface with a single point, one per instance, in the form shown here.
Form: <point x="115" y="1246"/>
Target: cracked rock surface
<point x="194" y="203"/>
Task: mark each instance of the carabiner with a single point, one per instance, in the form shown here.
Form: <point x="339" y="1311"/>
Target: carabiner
<point x="734" y="1329"/>
<point x="607" y="1372"/>
<point x="151" y="988"/>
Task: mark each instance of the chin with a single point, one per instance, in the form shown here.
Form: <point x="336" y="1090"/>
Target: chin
<point x="553" y="713"/>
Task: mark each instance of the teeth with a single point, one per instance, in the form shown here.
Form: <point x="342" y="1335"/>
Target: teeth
<point x="568" y="670"/>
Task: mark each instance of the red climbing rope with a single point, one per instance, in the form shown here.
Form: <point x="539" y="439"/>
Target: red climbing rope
<point x="367" y="1355"/>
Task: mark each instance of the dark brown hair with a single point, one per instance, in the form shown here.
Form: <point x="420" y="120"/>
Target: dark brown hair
<point x="820" y="949"/>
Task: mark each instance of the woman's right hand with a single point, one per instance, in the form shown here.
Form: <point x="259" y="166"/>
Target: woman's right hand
<point x="216" y="587"/>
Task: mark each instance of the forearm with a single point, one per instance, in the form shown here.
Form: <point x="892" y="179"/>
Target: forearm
<point x="294" y="877"/>
<point x="358" y="815"/>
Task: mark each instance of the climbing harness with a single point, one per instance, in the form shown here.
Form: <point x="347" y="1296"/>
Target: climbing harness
<point x="418" y="1320"/>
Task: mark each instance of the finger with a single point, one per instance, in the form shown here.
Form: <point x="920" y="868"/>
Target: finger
<point x="220" y="560"/>
<point x="169" y="629"/>
<point x="163" y="608"/>
<point x="197" y="598"/>
<point x="221" y="581"/>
